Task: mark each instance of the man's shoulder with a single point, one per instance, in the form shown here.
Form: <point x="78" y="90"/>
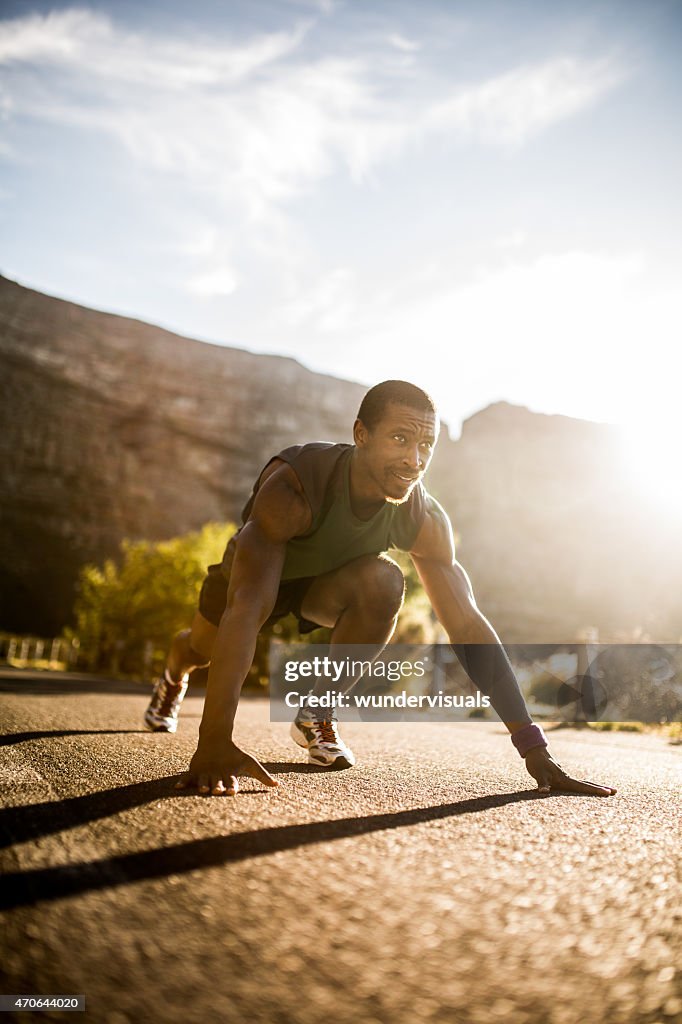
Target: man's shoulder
<point x="313" y="450"/>
<point x="435" y="537"/>
<point x="432" y="507"/>
<point x="316" y="465"/>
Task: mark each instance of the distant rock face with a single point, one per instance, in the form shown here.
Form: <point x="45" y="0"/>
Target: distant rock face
<point x="112" y="428"/>
<point x="553" y="533"/>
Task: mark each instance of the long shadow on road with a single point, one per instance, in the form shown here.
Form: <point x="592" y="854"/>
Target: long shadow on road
<point x="48" y="684"/>
<point x="28" y="887"/>
<point x="33" y="821"/>
<point x="10" y="738"/>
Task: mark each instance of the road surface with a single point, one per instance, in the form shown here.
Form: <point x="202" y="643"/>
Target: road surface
<point x="427" y="884"/>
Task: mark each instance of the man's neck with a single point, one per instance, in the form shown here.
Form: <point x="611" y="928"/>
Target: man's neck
<point x="365" y="502"/>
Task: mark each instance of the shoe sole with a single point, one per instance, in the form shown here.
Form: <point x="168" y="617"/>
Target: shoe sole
<point x="158" y="728"/>
<point x="337" y="765"/>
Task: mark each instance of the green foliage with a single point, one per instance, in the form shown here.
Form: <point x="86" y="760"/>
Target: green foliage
<point x="618" y="726"/>
<point x="128" y="610"/>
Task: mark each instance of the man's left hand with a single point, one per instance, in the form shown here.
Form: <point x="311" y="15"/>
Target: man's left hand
<point x="551" y="777"/>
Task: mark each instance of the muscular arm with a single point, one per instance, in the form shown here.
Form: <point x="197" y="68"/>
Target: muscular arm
<point x="478" y="647"/>
<point x="474" y="640"/>
<point x="280" y="512"/>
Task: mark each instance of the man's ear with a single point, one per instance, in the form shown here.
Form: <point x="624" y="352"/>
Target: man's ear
<point x="360" y="433"/>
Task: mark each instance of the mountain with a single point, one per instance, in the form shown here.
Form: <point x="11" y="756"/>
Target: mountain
<point x="113" y="428"/>
<point x="554" y="532"/>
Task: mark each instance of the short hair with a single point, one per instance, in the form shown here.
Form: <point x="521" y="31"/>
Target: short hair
<point x="400" y="392"/>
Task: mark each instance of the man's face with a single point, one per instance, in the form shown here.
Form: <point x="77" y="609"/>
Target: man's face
<point x="396" y="453"/>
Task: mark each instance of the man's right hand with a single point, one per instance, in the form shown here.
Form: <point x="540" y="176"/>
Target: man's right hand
<point x="215" y="770"/>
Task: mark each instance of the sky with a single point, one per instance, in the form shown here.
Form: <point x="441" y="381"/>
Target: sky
<point x="482" y="197"/>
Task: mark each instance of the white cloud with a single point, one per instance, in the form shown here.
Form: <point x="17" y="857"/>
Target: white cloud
<point x="327" y="304"/>
<point x="562" y="332"/>
<point x="323" y="6"/>
<point x="85" y="41"/>
<point x="201" y="241"/>
<point x="512" y="240"/>
<point x="57" y="36"/>
<point x="258" y="122"/>
<point x="214" y="282"/>
<point x="511" y="107"/>
<point x="401" y="43"/>
<point x="250" y="125"/>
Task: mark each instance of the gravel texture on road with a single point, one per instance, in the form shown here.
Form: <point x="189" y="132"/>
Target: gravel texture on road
<point x="427" y="884"/>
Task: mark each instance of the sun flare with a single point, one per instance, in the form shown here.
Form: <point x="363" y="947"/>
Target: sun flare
<point x="651" y="456"/>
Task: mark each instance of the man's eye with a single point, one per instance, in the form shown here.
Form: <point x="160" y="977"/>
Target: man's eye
<point x="399" y="437"/>
<point x="427" y="445"/>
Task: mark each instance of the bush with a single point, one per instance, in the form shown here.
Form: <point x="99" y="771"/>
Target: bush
<point x="127" y="611"/>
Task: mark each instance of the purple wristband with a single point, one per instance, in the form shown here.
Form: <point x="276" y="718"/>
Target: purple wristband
<point x="529" y="736"/>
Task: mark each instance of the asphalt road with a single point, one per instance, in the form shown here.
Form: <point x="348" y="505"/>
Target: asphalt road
<point x="426" y="884"/>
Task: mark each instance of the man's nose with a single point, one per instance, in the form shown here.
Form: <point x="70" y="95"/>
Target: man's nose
<point x="413" y="458"/>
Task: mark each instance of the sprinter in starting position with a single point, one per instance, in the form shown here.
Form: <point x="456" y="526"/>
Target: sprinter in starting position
<point x="314" y="538"/>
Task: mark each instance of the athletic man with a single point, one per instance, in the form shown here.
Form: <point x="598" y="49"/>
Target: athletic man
<point x="315" y="533"/>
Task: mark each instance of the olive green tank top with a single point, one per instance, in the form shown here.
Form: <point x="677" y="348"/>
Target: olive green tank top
<point x="336" y="535"/>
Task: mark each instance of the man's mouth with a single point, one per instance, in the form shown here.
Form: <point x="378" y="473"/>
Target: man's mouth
<point x="405" y="479"/>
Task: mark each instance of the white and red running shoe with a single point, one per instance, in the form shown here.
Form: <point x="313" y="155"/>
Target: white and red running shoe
<point x="321" y="739"/>
<point x="164" y="707"/>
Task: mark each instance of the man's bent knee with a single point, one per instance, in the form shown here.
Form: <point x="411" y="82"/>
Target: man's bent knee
<point x="380" y="586"/>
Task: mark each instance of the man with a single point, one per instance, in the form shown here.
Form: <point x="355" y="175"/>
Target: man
<point x="315" y="533"/>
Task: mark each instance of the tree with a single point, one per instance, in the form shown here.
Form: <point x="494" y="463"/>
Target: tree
<point x="127" y="610"/>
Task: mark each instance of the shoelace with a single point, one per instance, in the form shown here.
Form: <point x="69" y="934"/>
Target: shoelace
<point x="168" y="699"/>
<point x="327" y="732"/>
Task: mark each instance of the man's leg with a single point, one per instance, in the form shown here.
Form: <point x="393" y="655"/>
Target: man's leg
<point x="360" y="602"/>
<point x="190" y="649"/>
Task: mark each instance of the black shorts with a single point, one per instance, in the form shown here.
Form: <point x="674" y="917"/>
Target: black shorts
<point x="213" y="598"/>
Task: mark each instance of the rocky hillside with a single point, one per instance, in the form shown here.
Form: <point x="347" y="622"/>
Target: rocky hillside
<point x="554" y="532"/>
<point x="113" y="428"/>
